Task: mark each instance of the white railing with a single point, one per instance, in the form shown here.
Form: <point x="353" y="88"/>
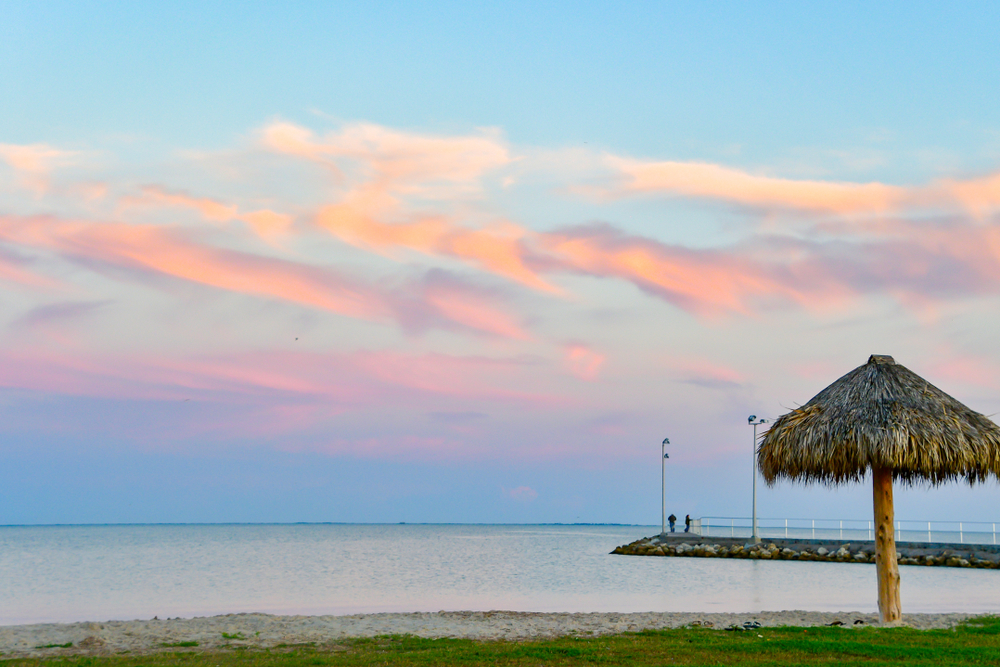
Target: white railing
<point x="951" y="532"/>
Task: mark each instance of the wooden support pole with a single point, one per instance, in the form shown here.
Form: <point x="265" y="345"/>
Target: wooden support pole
<point x="885" y="548"/>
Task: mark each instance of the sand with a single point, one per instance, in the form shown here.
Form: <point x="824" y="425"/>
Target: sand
<point x="265" y="630"/>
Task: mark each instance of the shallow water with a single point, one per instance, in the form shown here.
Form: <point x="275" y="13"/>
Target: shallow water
<point x="75" y="573"/>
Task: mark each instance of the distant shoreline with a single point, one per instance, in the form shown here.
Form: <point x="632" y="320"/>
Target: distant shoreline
<point x="308" y="523"/>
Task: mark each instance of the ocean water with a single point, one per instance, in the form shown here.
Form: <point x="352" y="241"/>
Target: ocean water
<point x="97" y="573"/>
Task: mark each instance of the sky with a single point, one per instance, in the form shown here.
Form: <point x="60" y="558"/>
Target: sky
<point x="472" y="262"/>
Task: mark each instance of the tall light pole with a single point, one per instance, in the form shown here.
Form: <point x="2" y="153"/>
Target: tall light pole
<point x="663" y="483"/>
<point x="753" y="421"/>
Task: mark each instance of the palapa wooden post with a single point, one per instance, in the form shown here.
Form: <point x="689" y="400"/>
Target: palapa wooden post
<point x="883" y="418"/>
<point x="889" y="609"/>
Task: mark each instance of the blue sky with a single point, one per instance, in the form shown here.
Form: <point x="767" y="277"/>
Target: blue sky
<point x="463" y="262"/>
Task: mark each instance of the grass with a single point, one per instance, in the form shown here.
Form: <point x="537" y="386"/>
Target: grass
<point x="974" y="643"/>
<point x="179" y="645"/>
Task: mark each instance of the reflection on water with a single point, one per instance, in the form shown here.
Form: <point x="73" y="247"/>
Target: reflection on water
<point x="70" y="573"/>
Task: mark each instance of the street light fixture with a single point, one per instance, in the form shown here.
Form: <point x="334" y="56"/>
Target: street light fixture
<point x="663" y="483"/>
<point x="753" y="421"/>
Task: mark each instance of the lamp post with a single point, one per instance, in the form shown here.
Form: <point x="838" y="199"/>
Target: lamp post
<point x="663" y="483"/>
<point x="753" y="421"/>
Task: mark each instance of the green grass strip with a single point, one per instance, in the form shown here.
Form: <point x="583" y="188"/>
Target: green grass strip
<point x="973" y="643"/>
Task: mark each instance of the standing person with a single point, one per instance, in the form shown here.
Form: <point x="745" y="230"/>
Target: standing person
<point x="672" y="519"/>
<point x="687" y="524"/>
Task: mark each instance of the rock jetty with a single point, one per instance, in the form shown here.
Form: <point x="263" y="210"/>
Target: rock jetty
<point x="978" y="556"/>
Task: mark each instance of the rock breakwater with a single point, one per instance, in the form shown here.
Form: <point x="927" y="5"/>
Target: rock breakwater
<point x="927" y="555"/>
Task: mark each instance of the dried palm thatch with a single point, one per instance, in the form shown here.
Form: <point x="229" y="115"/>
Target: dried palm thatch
<point x="881" y="416"/>
<point x="884" y="418"/>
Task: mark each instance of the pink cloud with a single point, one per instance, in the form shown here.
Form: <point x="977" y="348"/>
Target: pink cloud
<point x="34" y="163"/>
<point x="706" y="373"/>
<point x="917" y="262"/>
<point x="521" y="494"/>
<point x="703" y="281"/>
<point x="963" y="369"/>
<point x="267" y="224"/>
<point x="265" y="394"/>
<point x="14" y="270"/>
<point x="977" y="196"/>
<point x="473" y="311"/>
<point x="402" y="161"/>
<point x="817" y="370"/>
<point x="402" y="448"/>
<point x="383" y="169"/>
<point x="489" y="378"/>
<point x="583" y="362"/>
<point x="708" y="282"/>
<point x="712" y="181"/>
<point x="165" y="251"/>
<point x="498" y="249"/>
<point x="210" y="209"/>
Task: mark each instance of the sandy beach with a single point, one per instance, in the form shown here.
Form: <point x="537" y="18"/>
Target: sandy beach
<point x="267" y="631"/>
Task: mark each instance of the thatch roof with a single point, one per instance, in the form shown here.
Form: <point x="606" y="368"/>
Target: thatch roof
<point x="881" y="415"/>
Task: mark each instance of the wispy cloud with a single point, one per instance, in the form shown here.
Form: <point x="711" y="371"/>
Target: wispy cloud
<point x="17" y="269"/>
<point x="978" y="197"/>
<point x="713" y="181"/>
<point x="118" y="248"/>
<point x="463" y="295"/>
<point x="291" y="392"/>
<point x="521" y="494"/>
<point x="583" y="362"/>
<point x="708" y="374"/>
<point x="912" y="260"/>
<point x="267" y="224"/>
<point x="499" y="249"/>
<point x="34" y="163"/>
<point x="410" y="161"/>
<point x="61" y="311"/>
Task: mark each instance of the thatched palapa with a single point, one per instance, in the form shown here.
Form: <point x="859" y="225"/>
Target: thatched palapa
<point x="887" y="419"/>
<point x="881" y="415"/>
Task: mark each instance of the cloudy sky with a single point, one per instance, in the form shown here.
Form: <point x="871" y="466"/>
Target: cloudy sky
<point x="472" y="262"/>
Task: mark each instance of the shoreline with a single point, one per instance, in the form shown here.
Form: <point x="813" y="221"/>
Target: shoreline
<point x="264" y="631"/>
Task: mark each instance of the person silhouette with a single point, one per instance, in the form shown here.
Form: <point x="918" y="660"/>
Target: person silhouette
<point x="687" y="523"/>
<point x="673" y="520"/>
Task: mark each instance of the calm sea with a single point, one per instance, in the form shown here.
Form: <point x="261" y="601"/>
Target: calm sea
<point x="96" y="573"/>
